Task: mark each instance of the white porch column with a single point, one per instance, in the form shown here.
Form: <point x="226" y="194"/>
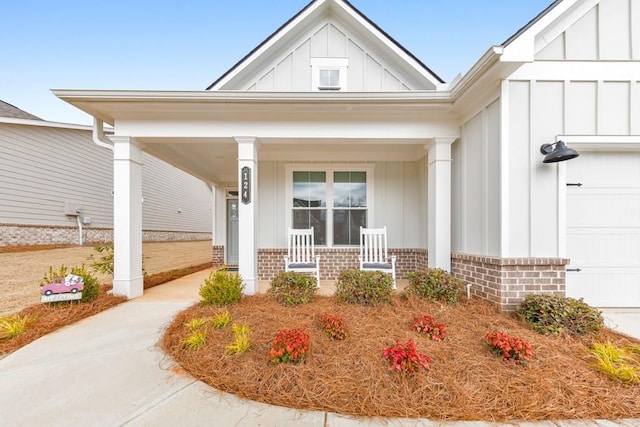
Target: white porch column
<point x="214" y="212"/>
<point x="439" y="203"/>
<point x="247" y="210"/>
<point x="127" y="217"/>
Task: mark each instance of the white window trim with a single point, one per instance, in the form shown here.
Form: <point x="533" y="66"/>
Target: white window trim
<point x="329" y="168"/>
<point x="340" y="64"/>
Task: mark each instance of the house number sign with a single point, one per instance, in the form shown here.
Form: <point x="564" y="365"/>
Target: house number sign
<point x="246" y="185"/>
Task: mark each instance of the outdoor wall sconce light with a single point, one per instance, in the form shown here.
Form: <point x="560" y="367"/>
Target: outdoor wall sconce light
<point x="558" y="154"/>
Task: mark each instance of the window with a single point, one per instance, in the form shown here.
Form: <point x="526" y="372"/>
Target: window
<point x="334" y="201"/>
<point x="310" y="203"/>
<point x="329" y="80"/>
<point x="329" y="74"/>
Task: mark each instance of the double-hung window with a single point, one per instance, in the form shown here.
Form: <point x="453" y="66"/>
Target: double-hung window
<point x="334" y="201"/>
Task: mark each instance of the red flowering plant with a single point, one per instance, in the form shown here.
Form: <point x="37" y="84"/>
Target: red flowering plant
<point x="405" y="358"/>
<point x="427" y="325"/>
<point x="333" y="326"/>
<point x="513" y="350"/>
<point x="289" y="346"/>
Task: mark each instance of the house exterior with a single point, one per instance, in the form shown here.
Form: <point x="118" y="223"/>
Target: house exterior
<point x="331" y="123"/>
<point x="57" y="185"/>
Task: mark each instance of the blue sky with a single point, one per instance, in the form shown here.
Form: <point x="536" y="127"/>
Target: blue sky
<point x="186" y="45"/>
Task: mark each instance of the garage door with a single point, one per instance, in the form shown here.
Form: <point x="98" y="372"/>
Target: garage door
<point x="603" y="227"/>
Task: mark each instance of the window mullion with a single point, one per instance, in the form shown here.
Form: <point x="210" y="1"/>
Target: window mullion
<point x="329" y="208"/>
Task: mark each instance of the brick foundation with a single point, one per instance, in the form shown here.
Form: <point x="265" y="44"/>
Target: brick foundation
<point x="20" y="235"/>
<point x="506" y="281"/>
<point x="334" y="260"/>
<point x="218" y="255"/>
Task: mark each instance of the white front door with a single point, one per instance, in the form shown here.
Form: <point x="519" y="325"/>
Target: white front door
<point x="232" y="231"/>
<point x="603" y="229"/>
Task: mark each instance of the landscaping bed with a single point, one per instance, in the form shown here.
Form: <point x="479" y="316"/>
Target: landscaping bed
<point x="466" y="381"/>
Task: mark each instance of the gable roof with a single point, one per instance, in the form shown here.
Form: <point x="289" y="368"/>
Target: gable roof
<point x="13" y="112"/>
<point x="302" y="16"/>
<point x="530" y="23"/>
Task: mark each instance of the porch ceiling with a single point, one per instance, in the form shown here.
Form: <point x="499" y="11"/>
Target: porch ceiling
<point x="195" y="130"/>
<point x="215" y="160"/>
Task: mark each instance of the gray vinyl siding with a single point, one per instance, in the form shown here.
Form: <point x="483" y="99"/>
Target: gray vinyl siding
<point x="173" y="200"/>
<point x="44" y="168"/>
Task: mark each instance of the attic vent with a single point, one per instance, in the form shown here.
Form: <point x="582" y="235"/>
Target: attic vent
<point x="329" y="74"/>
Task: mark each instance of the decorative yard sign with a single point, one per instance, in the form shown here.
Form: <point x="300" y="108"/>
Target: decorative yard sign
<point x="68" y="288"/>
<point x="246" y="185"/>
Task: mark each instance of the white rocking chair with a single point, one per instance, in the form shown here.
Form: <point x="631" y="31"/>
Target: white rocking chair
<point x="301" y="253"/>
<point x="373" y="252"/>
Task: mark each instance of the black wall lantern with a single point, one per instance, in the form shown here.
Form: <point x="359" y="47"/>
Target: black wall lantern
<point x="558" y="154"/>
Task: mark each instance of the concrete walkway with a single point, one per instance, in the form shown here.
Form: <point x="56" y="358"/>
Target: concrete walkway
<point x="107" y="371"/>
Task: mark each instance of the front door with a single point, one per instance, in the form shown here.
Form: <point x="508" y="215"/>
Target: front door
<point x="232" y="231"/>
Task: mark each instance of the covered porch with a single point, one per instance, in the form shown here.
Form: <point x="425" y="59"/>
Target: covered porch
<point x="250" y="145"/>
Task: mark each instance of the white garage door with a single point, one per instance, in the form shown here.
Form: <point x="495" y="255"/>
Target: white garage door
<point x="603" y="226"/>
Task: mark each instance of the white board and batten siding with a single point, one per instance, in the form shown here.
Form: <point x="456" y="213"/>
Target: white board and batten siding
<point x="582" y="83"/>
<point x="291" y="71"/>
<point x="475" y="182"/>
<point x="44" y="169"/>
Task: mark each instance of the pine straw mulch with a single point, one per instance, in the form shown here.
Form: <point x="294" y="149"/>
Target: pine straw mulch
<point x="51" y="317"/>
<point x="466" y="381"/>
<point x="152" y="280"/>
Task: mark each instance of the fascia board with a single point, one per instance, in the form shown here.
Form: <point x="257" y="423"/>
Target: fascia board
<point x="43" y="123"/>
<point x="524" y="46"/>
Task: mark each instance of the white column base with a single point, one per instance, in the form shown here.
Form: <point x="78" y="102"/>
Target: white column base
<point x="130" y="288"/>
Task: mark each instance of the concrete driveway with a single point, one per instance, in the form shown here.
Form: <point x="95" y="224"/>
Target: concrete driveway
<point x="107" y="371"/>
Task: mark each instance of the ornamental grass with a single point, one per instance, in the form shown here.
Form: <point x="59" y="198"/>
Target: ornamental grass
<point x="351" y="377"/>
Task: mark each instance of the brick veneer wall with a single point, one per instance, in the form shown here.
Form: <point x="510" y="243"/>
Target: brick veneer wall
<point x="506" y="281"/>
<point x="334" y="260"/>
<point x="218" y="255"/>
<point x="18" y="234"/>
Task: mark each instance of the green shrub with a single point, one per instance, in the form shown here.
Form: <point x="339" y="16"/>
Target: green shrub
<point x="434" y="284"/>
<point x="291" y="288"/>
<point x="364" y="287"/>
<point x="54" y="276"/>
<point x="551" y="314"/>
<point x="91" y="284"/>
<point x="221" y="288"/>
<point x="104" y="264"/>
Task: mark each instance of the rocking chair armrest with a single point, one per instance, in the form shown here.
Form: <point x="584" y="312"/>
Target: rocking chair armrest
<point x="318" y="260"/>
<point x="286" y="260"/>
<point x="393" y="259"/>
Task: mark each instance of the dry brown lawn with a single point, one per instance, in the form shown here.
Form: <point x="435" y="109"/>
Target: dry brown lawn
<point x="466" y="381"/>
<point x="21" y="271"/>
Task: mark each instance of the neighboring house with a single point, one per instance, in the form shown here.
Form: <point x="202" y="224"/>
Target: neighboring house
<point x="56" y="187"/>
<point x="331" y="123"/>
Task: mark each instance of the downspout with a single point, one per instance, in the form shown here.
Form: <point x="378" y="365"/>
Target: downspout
<point x="101" y="141"/>
<point x="98" y="135"/>
<point x="79" y="221"/>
